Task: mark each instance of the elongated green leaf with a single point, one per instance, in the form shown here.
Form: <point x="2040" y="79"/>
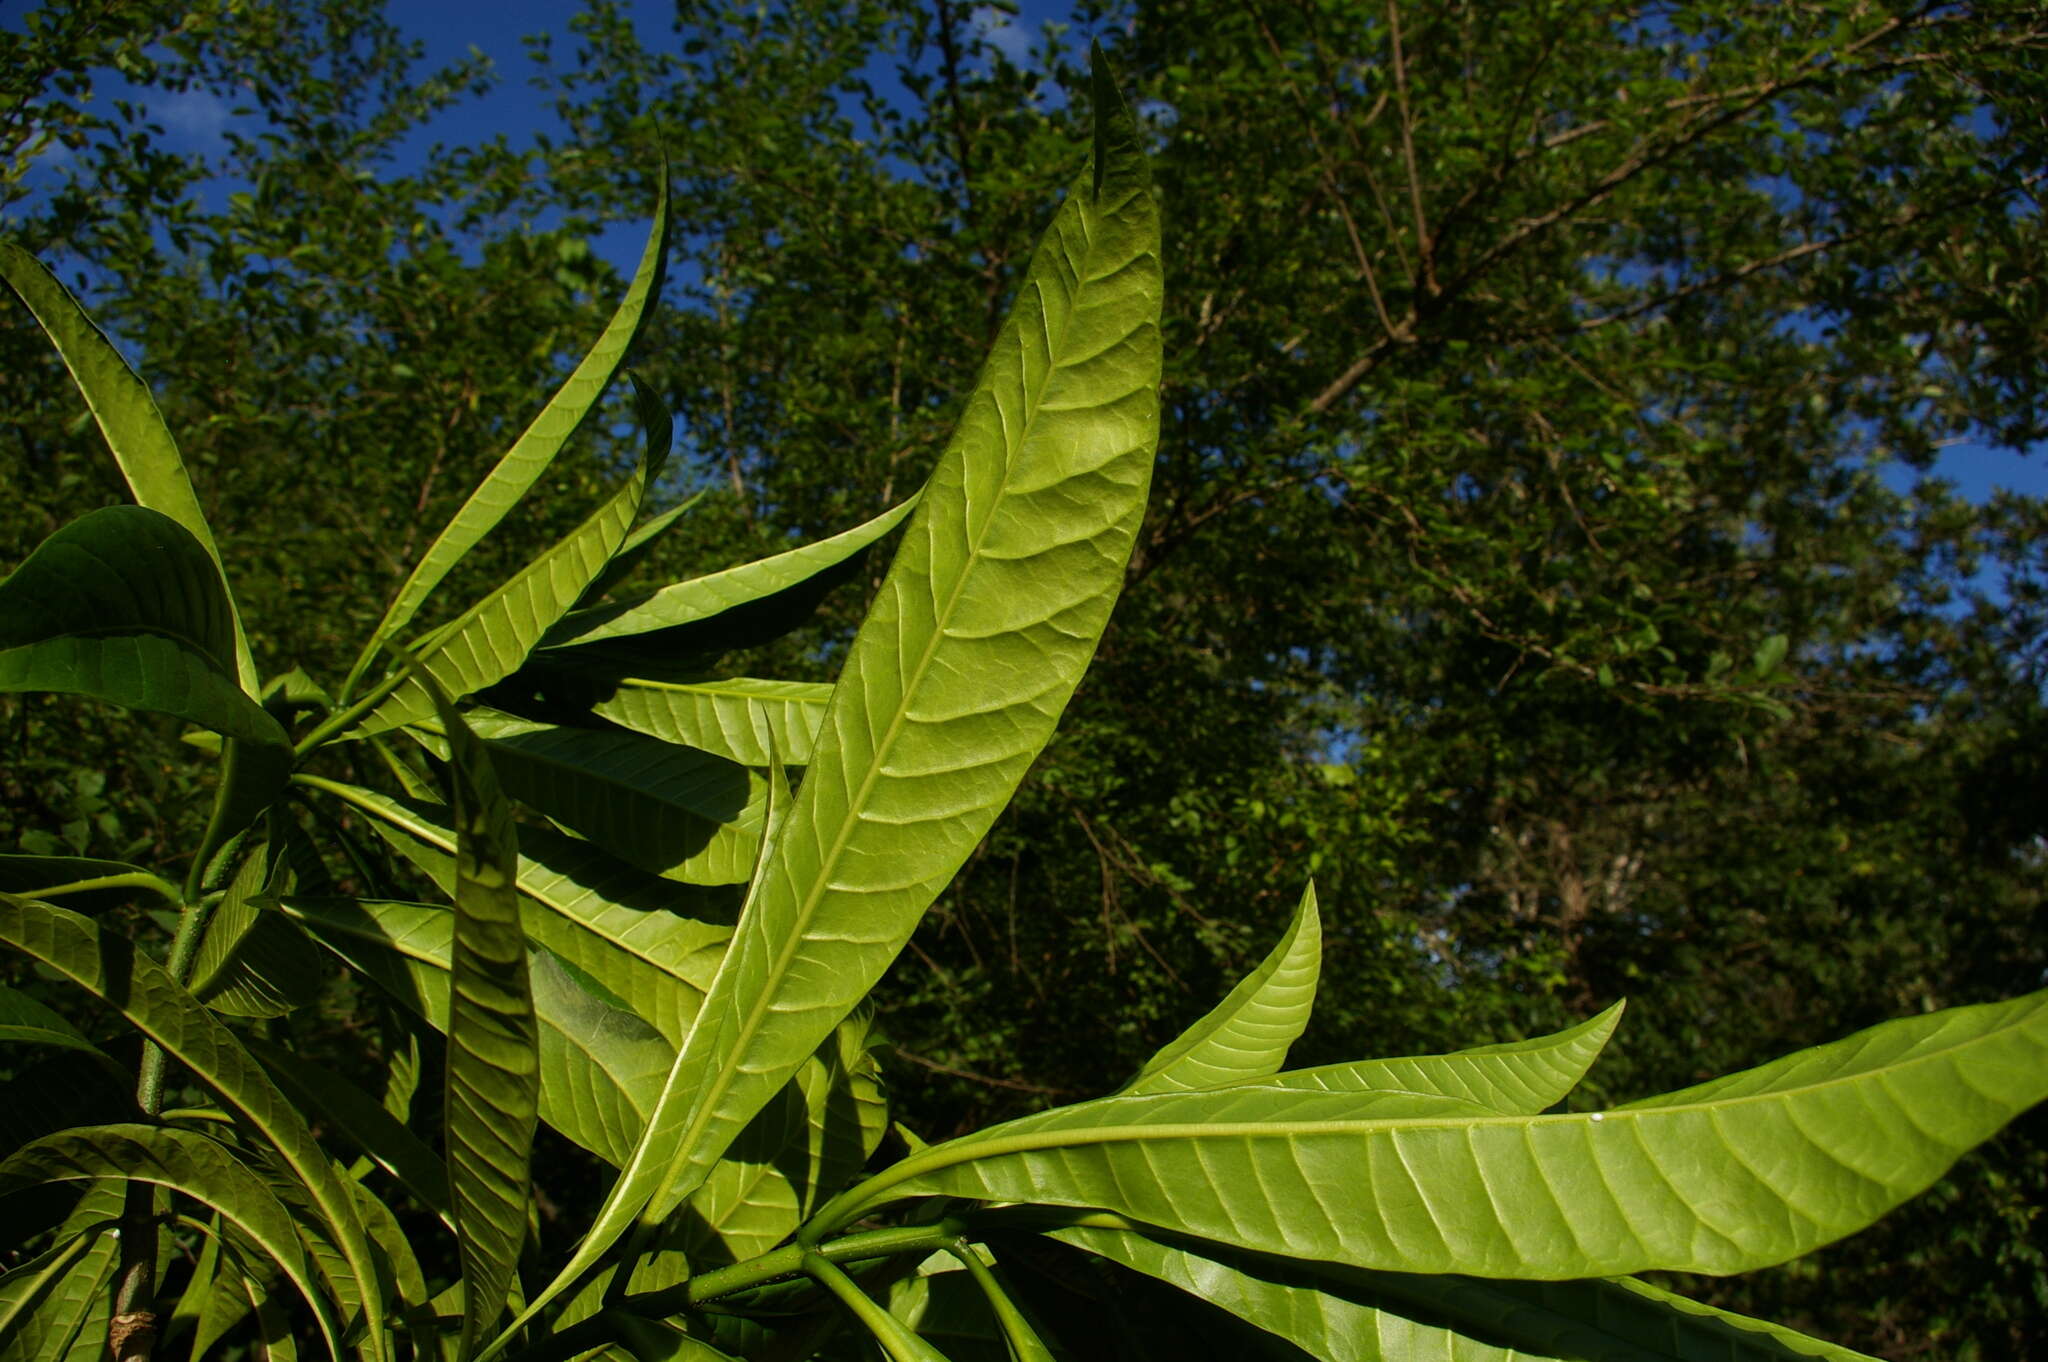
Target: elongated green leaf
<point x="183" y="1162"/>
<point x="669" y="810"/>
<point x="654" y="942"/>
<point x="124" y="605"/>
<point x="740" y="718"/>
<point x="493" y="1087"/>
<point x="531" y="454"/>
<point x="600" y="1067"/>
<point x="126" y="412"/>
<point x="635" y="549"/>
<point x="1519" y="1078"/>
<point x="487" y="642"/>
<point x="763" y="585"/>
<point x="363" y="1120"/>
<point x="984" y="624"/>
<point x="1733" y="1175"/>
<point x="1346" y="1315"/>
<point x="34" y="876"/>
<point x="107" y="967"/>
<point x="25" y="1021"/>
<point x="1247" y="1036"/>
<point x="55" y="1308"/>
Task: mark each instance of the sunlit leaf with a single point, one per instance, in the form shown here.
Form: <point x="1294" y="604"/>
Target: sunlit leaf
<point x="741" y="718"/>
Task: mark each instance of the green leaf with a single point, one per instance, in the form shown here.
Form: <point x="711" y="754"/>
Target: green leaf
<point x="126" y="412"/>
<point x="107" y="967"/>
<point x="372" y="1129"/>
<point x="1247" y="1036"/>
<point x="1737" y="1174"/>
<point x="1346" y="1315"/>
<point x="531" y="454"/>
<point x="55" y="1308"/>
<point x="739" y="718"/>
<point x="1519" y="1078"/>
<point x="493" y="1088"/>
<point x="253" y="963"/>
<point x="984" y="624"/>
<point x="25" y="1021"/>
<point x="487" y="642"/>
<point x="654" y="942"/>
<point x="33" y="876"/>
<point x="124" y="605"/>
<point x="669" y="810"/>
<point x="767" y="587"/>
<point x="183" y="1162"/>
<point x="600" y="1066"/>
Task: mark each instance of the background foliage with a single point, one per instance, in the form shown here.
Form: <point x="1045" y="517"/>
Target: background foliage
<point x="1527" y="556"/>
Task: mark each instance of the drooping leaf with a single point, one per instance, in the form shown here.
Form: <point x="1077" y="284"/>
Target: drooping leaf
<point x="127" y="415"/>
<point x="107" y="967"/>
<point x="1519" y="1078"/>
<point x="739" y="718"/>
<point x="983" y="625"/>
<point x="1246" y="1037"/>
<point x="124" y="605"/>
<point x="1737" y="1174"/>
<point x="535" y="449"/>
<point x="763" y="594"/>
<point x="654" y="942"/>
<point x="1347" y="1315"/>
<point x="492" y="1097"/>
<point x="183" y="1162"/>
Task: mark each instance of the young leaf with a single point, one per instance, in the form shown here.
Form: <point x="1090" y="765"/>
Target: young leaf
<point x="127" y="415"/>
<point x="1246" y="1037"/>
<point x="1729" y="1176"/>
<point x="108" y="968"/>
<point x="984" y="623"/>
<point x="768" y="586"/>
<point x="183" y="1162"/>
<point x="1519" y="1078"/>
<point x="739" y="718"/>
<point x="531" y="454"/>
<point x="493" y="1080"/>
<point x="1345" y="1315"/>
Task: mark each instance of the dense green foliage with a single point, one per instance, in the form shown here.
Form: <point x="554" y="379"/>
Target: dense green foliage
<point x="1519" y="559"/>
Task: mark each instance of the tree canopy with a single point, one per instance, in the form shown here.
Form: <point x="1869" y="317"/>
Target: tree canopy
<point x="1540" y="554"/>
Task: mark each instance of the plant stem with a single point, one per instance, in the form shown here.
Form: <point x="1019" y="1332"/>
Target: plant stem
<point x="896" y="1339"/>
<point x="140" y="879"/>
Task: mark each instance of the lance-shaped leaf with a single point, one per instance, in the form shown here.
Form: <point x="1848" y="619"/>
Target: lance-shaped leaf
<point x="487" y="642"/>
<point x="1519" y="1078"/>
<point x="55" y="1308"/>
<point x="1733" y="1175"/>
<point x="253" y="963"/>
<point x="183" y="1162"/>
<point x="493" y="1079"/>
<point x="1247" y="1036"/>
<point x="1347" y="1315"/>
<point x="669" y="810"/>
<point x="534" y="450"/>
<point x="24" y="1021"/>
<point x="780" y="589"/>
<point x="126" y="412"/>
<point x="983" y="625"/>
<point x="654" y="942"/>
<point x="741" y="718"/>
<point x="124" y="605"/>
<point x="107" y="967"/>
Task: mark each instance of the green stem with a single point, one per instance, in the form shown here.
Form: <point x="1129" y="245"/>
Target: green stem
<point x="897" y="1340"/>
<point x="1025" y="1344"/>
<point x="140" y="879"/>
<point x="340" y="719"/>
